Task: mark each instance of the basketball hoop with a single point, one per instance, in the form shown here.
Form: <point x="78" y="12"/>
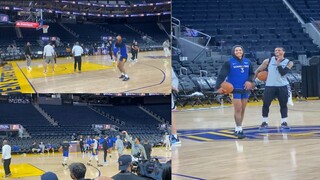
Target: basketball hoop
<point x="45" y="28"/>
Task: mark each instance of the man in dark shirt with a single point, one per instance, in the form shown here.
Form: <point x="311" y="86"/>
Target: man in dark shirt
<point x="134" y="51"/>
<point x="125" y="166"/>
<point x="105" y="150"/>
<point x="28" y="55"/>
<point x="109" y="46"/>
<point x="147" y="148"/>
<point x="81" y="143"/>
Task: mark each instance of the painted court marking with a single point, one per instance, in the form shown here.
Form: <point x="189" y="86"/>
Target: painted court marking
<point x="252" y="133"/>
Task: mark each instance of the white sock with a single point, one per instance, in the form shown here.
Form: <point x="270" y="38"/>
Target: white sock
<point x="65" y="159"/>
<point x="283" y="120"/>
<point x="238" y="128"/>
<point x="265" y="119"/>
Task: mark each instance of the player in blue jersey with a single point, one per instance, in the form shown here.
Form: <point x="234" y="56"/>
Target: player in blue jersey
<point x="239" y="72"/>
<point x="123" y="58"/>
<point x="65" y="146"/>
<point x="94" y="152"/>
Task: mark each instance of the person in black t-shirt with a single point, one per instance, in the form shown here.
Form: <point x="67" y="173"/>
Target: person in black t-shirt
<point x="125" y="166"/>
<point x="134" y="51"/>
<point x="81" y="143"/>
<point x="28" y="55"/>
<point x="148" y="149"/>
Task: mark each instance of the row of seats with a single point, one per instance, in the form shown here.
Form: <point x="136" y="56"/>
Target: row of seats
<point x="257" y="25"/>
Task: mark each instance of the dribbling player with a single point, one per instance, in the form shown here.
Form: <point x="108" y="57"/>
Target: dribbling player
<point x="94" y="153"/>
<point x="65" y="146"/>
<point x="123" y="58"/>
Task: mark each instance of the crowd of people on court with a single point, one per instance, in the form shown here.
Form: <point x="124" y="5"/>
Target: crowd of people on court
<point x="139" y="152"/>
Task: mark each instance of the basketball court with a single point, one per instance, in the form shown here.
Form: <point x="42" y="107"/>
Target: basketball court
<point x="151" y="74"/>
<point x="32" y="166"/>
<point x="210" y="150"/>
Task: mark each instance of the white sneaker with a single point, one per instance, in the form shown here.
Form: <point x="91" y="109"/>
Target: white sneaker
<point x="106" y="164"/>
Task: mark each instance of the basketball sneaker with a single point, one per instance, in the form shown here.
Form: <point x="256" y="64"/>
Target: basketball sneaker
<point x="284" y="125"/>
<point x="122" y="76"/>
<point x="64" y="164"/>
<point x="240" y="134"/>
<point x="125" y="79"/>
<point x="264" y="126"/>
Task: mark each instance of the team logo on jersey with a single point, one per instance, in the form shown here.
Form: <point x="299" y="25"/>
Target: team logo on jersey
<point x="253" y="133"/>
<point x="242" y="70"/>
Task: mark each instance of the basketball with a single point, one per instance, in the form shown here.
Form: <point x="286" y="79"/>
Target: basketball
<point x="263" y="75"/>
<point x="227" y="87"/>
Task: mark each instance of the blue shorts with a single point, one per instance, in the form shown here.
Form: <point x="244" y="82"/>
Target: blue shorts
<point x="240" y="96"/>
<point x="65" y="153"/>
<point x="122" y="59"/>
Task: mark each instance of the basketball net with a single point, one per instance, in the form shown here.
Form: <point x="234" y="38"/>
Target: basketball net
<point x="45" y="28"/>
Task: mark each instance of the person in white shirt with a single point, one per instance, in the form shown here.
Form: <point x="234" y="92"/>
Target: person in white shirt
<point x="48" y="54"/>
<point x="77" y="51"/>
<point x="119" y="146"/>
<point x="167" y="141"/>
<point x="6" y="158"/>
<point x="166" y="46"/>
<point x="42" y="147"/>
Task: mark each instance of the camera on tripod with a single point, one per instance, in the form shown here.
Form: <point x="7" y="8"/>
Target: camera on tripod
<point x="149" y="169"/>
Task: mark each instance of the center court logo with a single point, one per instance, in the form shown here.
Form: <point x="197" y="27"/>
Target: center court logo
<point x="252" y="133"/>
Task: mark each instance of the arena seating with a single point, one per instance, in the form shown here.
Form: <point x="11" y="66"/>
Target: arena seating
<point x="257" y="25"/>
<point x="308" y="9"/>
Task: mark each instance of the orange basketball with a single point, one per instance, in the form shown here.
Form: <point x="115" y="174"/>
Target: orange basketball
<point x="227" y="87"/>
<point x="263" y="75"/>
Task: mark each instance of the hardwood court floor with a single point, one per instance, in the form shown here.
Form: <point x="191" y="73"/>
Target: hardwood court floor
<point x="210" y="151"/>
<point x="31" y="167"/>
<point x="151" y="74"/>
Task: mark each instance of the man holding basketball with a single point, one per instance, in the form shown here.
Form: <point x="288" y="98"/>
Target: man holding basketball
<point x="276" y="85"/>
<point x="239" y="72"/>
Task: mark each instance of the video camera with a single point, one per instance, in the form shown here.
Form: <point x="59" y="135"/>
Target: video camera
<point x="151" y="169"/>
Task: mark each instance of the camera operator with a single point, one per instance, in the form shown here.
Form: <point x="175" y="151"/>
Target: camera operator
<point x="137" y="149"/>
<point x="125" y="166"/>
